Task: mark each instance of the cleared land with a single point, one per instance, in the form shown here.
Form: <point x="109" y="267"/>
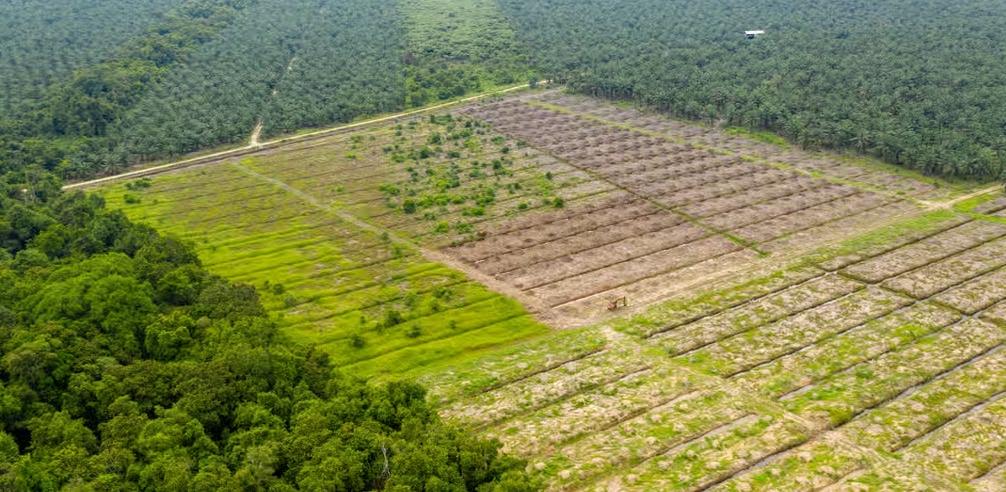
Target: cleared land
<point x="795" y="321"/>
<point x="846" y="372"/>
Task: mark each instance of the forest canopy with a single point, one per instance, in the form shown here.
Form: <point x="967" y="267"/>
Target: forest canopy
<point x="125" y="365"/>
<point x="914" y="82"/>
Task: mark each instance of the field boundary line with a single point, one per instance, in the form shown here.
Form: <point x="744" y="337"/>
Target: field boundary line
<point x="745" y="368"/>
<point x="597" y="176"/>
<point x="591" y="386"/>
<point x="272" y="144"/>
<point x="770" y="321"/>
<point x="971" y="411"/>
<point x="926" y="205"/>
<point x="583" y="250"/>
<point x="536" y="308"/>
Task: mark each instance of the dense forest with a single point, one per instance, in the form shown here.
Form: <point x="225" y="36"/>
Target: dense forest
<point x="44" y="42"/>
<point x="90" y="90"/>
<point x="201" y="73"/>
<point x="124" y="365"/>
<point x="914" y="82"/>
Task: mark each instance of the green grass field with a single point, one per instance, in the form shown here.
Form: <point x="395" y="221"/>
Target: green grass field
<point x="290" y="225"/>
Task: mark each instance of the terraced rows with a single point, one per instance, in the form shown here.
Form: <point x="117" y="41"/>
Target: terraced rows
<point x="695" y="211"/>
<point x="880" y="371"/>
<point x="374" y="303"/>
<point x="774" y="360"/>
<point x="715" y="138"/>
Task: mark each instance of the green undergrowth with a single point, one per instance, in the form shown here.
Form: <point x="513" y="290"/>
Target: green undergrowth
<point x="680" y="310"/>
<point x="759" y="136"/>
<point x="456" y="47"/>
<point x="375" y="305"/>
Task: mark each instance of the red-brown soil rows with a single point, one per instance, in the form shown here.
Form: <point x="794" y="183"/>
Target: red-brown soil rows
<point x="941" y="275"/>
<point x="614" y="199"/>
<point x="593" y="258"/>
<point x="687" y="185"/>
<point x="659" y="222"/>
<point x="716" y="138"/>
<point x="767" y="342"/>
<point x="779" y="206"/>
<point x="758" y="187"/>
<point x="661" y="285"/>
<point x="835" y="230"/>
<point x="631" y="172"/>
<point x="811" y="216"/>
<point x="721" y="189"/>
<point x="977" y="294"/>
<point x="926" y="251"/>
<point x="551" y="228"/>
<point x="758" y="312"/>
<point x="617" y="275"/>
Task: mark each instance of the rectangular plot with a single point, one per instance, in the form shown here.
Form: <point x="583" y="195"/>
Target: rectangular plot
<point x="818" y="361"/>
<point x="546" y="387"/>
<point x="897" y="423"/>
<point x="811" y="466"/>
<point x="717" y="456"/>
<point x="636" y="247"/>
<point x="926" y="251"/>
<point x="594" y="410"/>
<point x="844" y="395"/>
<point x="680" y="311"/>
<point x="604" y="235"/>
<point x="916" y="230"/>
<point x="941" y="275"/>
<point x="767" y="342"/>
<point x="965" y="448"/>
<point x="809" y="217"/>
<point x="765" y="310"/>
<point x="613" y="276"/>
<point x="976" y="294"/>
<point x="777" y="207"/>
<point x="643" y="437"/>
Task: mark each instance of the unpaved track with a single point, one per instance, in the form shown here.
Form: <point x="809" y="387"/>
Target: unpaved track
<point x="272" y="144"/>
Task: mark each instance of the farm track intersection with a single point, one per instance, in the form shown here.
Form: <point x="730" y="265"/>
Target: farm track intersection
<point x="795" y="322"/>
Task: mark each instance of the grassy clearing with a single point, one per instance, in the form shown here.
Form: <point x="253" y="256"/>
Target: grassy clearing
<point x="374" y="304"/>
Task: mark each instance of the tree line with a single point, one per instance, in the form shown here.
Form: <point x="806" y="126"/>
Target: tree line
<point x="914" y="82"/>
<point x="125" y="365"/>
